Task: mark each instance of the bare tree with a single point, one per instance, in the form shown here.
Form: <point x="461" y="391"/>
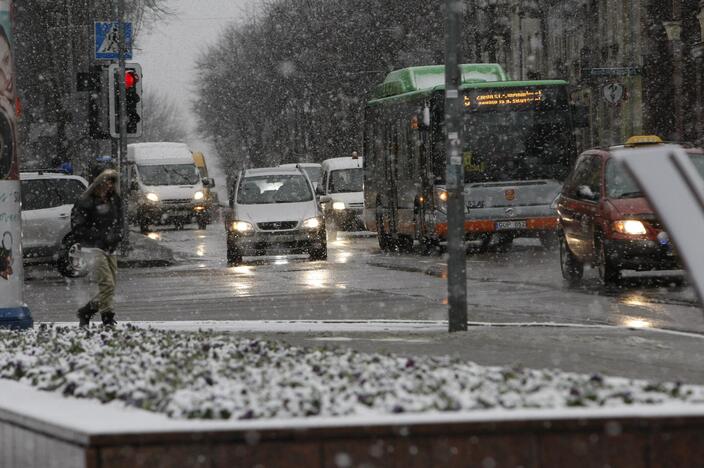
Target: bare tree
<point x="162" y="118"/>
<point x="290" y="85"/>
<point x="53" y="43"/>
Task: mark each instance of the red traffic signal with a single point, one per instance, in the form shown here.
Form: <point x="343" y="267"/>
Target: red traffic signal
<point x="131" y="79"/>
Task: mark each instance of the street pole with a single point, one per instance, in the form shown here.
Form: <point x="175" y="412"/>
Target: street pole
<point x="673" y="29"/>
<point x="456" y="264"/>
<point x="122" y="162"/>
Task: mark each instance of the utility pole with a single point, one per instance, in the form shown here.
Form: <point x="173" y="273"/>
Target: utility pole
<point x="122" y="162"/>
<point x="456" y="264"/>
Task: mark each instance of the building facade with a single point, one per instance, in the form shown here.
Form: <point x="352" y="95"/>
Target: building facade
<point x="637" y="65"/>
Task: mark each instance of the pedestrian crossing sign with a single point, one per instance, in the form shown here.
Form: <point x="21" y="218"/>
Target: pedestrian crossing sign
<point x="107" y="40"/>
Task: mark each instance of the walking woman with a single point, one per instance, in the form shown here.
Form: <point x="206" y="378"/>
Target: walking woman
<point x="97" y="222"/>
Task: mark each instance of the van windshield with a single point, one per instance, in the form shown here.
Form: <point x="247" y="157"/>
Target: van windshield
<point x="169" y="174"/>
<point x="261" y="190"/>
<point x="346" y="180"/>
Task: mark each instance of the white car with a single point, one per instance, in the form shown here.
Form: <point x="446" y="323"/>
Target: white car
<point x="47" y="200"/>
<point x="274" y="210"/>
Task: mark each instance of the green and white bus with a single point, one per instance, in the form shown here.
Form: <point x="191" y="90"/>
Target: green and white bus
<point x="519" y="145"/>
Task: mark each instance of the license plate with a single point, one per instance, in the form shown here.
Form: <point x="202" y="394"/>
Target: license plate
<point x="510" y="225"/>
<point x="177" y="214"/>
<point x="280" y="238"/>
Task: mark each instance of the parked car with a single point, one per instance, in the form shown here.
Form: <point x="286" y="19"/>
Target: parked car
<point x="313" y="170"/>
<point x="606" y="221"/>
<point x="343" y="182"/>
<point x="166" y="186"/>
<point x="47" y="200"/>
<point x="274" y="210"/>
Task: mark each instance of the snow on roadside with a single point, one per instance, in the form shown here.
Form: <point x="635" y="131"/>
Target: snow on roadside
<point x="209" y="375"/>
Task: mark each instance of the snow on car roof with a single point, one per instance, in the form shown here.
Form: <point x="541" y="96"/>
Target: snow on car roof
<point x="271" y="171"/>
<point x="29" y="175"/>
<point x="343" y="163"/>
<point x="303" y="164"/>
<point x="159" y="153"/>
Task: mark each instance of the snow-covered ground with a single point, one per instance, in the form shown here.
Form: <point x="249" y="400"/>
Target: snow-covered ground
<point x="210" y="375"/>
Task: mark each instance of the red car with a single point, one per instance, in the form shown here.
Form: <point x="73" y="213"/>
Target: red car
<point x="606" y="221"/>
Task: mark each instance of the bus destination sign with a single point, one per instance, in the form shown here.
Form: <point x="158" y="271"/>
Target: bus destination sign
<point x="514" y="98"/>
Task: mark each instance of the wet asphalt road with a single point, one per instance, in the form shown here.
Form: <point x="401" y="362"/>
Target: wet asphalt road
<point x="358" y="282"/>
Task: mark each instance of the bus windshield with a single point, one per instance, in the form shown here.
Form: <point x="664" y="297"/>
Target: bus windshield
<point x="525" y="140"/>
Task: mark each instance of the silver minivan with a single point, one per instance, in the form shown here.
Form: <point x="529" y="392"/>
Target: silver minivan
<point x="274" y="211"/>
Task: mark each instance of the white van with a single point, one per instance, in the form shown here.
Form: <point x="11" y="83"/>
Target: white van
<point x="343" y="181"/>
<point x="165" y="186"/>
<point x="312" y="170"/>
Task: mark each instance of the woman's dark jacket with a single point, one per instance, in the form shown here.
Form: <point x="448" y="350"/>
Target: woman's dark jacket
<point x="95" y="223"/>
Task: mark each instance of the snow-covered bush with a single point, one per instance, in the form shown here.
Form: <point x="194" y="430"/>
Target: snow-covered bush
<point x="220" y="376"/>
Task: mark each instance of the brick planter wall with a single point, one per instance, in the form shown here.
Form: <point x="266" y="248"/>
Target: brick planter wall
<point x="656" y="441"/>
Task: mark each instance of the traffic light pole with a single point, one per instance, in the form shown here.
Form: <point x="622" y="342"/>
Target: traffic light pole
<point x="122" y="162"/>
<point x="456" y="263"/>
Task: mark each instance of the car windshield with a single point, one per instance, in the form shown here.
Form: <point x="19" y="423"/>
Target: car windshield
<point x="346" y="180"/>
<point x="169" y="174"/>
<point x="261" y="190"/>
<point x="619" y="184"/>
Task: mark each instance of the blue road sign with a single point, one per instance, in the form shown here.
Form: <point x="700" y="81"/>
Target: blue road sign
<point x="107" y="40"/>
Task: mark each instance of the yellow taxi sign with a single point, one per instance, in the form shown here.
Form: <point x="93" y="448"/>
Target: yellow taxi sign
<point x="643" y="140"/>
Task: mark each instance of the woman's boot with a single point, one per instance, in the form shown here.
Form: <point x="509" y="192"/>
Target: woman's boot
<point x="85" y="313"/>
<point x="108" y="318"/>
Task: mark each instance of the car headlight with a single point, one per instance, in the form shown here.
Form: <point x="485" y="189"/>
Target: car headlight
<point x="242" y="226"/>
<point x="198" y="195"/>
<point x="338" y="205"/>
<point x="311" y="223"/>
<point x="441" y="200"/>
<point x="631" y="227"/>
<point x="153" y="197"/>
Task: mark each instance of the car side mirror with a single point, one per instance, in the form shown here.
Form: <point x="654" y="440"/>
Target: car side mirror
<point x="585" y="192"/>
<point x="208" y="182"/>
<point x="319" y="190"/>
<point x="324" y="199"/>
<point x="134" y="185"/>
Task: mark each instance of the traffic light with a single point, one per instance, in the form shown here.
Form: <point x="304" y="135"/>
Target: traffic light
<point x="133" y="100"/>
<point x="95" y="83"/>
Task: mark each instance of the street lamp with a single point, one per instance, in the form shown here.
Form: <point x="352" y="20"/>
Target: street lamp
<point x="673" y="29"/>
<point x="521" y="14"/>
<point x="698" y="56"/>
